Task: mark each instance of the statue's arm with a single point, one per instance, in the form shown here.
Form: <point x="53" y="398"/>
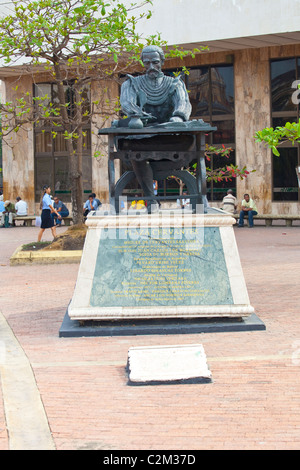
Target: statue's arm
<point x="128" y="100"/>
<point x="182" y="105"/>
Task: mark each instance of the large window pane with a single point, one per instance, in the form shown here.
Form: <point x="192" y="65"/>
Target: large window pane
<point x="211" y="92"/>
<point x="68" y="97"/>
<point x="283" y="75"/>
<point x="43" y="174"/>
<point x="220" y="188"/>
<point x="87" y="172"/>
<point x="285" y="183"/>
<point x="42" y="93"/>
<point x="199" y="91"/>
<point x="43" y="142"/>
<point x="51" y="153"/>
<point x="225" y="133"/>
<point x="60" y="143"/>
<point x="281" y="121"/>
<point x="61" y="174"/>
<point x="87" y="141"/>
<point x="86" y="100"/>
<point x="222" y="90"/>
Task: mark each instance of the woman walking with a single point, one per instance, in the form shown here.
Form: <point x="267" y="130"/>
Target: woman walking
<point x="47" y="208"/>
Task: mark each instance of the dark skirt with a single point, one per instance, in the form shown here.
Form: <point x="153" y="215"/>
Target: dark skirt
<point x="46" y="219"/>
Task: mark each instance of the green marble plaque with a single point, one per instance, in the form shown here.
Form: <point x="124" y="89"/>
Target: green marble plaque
<point x="166" y="266"/>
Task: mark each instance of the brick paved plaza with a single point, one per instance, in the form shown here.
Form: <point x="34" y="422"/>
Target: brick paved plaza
<point x="252" y="402"/>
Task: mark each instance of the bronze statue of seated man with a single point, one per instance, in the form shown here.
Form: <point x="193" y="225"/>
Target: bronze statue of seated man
<point x="148" y="100"/>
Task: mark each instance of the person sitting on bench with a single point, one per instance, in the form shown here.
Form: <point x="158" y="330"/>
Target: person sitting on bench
<point x="61" y="209"/>
<point x="249" y="209"/>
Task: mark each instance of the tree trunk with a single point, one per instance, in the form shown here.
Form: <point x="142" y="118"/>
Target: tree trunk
<point x="77" y="183"/>
<point x="74" y="147"/>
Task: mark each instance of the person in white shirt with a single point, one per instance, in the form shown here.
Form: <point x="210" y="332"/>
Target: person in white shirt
<point x="183" y="203"/>
<point x="229" y="203"/>
<point x="21" y="206"/>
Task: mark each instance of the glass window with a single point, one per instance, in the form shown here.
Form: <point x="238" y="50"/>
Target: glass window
<point x="43" y="175"/>
<point x="220" y="188"/>
<point x="225" y="133"/>
<point x="68" y="97"/>
<point x="281" y="121"/>
<point x="51" y="154"/>
<point x="60" y="143"/>
<point x="43" y="142"/>
<point x="211" y="92"/>
<point x="199" y="91"/>
<point x="87" y="173"/>
<point x="42" y="92"/>
<point x="87" y="141"/>
<point x="283" y="75"/>
<point x="285" y="182"/>
<point x="86" y="100"/>
<point x="222" y="89"/>
<point x="61" y="174"/>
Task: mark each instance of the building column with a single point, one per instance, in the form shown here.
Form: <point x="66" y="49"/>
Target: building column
<point x="252" y="113"/>
<point x="18" y="151"/>
<point x="106" y="93"/>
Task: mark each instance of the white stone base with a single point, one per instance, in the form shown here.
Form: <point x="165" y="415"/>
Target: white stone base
<point x="157" y="364"/>
<point x="81" y="308"/>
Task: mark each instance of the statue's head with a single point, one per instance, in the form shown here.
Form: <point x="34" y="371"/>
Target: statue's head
<point x="151" y="49"/>
<point x="153" y="59"/>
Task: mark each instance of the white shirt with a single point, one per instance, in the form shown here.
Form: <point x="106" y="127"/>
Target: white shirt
<point x="183" y="202"/>
<point x="21" y="208"/>
<point x="229" y="203"/>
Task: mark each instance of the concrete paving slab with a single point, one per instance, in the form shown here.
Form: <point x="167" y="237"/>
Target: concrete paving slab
<point x="167" y="365"/>
<point x="251" y="405"/>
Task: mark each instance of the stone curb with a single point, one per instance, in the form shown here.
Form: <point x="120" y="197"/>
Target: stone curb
<point x="44" y="257"/>
<point x="26" y="419"/>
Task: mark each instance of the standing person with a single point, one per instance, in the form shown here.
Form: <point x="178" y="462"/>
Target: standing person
<point x="46" y="206"/>
<point x="248" y="208"/>
<point x="229" y="202"/>
<point x="21" y="206"/>
<point x="61" y="208"/>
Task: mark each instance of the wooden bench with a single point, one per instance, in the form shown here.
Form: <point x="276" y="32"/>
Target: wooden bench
<point x="27" y="219"/>
<point x="268" y="218"/>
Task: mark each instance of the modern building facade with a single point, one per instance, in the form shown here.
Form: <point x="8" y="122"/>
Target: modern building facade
<point x="246" y="80"/>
